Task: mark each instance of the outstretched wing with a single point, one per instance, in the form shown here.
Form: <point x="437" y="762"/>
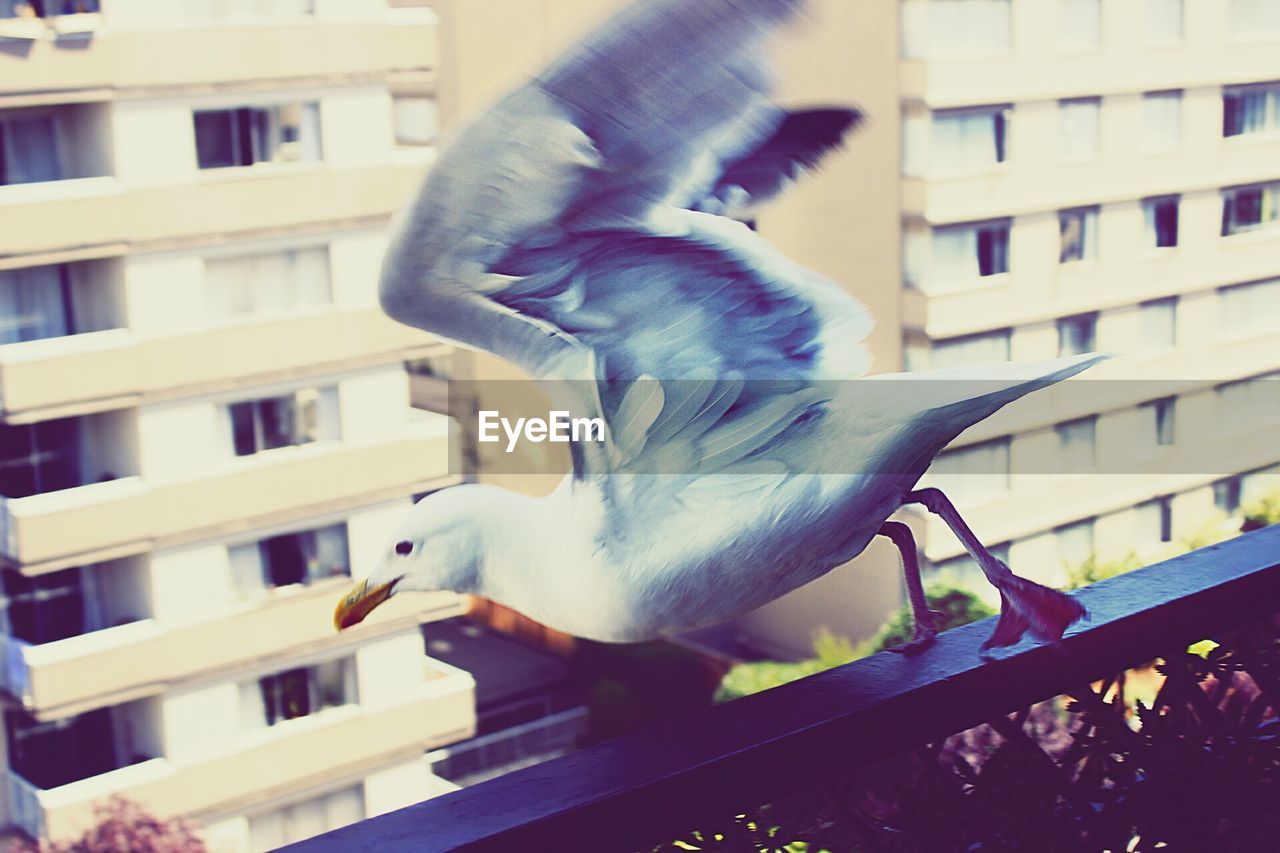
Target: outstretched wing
<point x="556" y="232"/>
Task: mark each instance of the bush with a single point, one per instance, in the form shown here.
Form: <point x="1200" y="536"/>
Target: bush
<point x="124" y="827"/>
<point x="957" y="606"/>
<point x="1093" y="570"/>
<point x="1262" y="513"/>
<point x="829" y="650"/>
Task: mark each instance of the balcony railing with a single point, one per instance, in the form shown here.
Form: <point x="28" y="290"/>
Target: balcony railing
<point x="656" y="786"/>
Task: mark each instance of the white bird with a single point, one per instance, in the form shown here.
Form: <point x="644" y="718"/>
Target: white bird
<point x="575" y="229"/>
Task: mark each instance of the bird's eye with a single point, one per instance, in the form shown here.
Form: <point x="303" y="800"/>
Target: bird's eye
<point x="404" y="548"/>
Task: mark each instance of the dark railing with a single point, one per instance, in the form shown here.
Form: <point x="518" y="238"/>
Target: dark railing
<point x="654" y="786"/>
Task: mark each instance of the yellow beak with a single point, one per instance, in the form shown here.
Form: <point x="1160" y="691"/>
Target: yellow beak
<point x="360" y="602"/>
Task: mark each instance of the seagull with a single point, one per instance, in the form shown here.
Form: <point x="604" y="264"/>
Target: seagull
<point x="588" y="228"/>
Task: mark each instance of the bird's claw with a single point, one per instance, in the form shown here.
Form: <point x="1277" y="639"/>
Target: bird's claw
<point x="920" y="640"/>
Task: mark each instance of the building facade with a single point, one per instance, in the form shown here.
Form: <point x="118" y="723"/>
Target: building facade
<point x="205" y="428"/>
<point x="1098" y="176"/>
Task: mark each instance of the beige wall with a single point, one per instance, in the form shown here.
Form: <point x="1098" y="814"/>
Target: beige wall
<point x="130" y="516"/>
<point x="113" y="369"/>
<point x="350" y="741"/>
<point x="146" y="63"/>
<point x="147" y="658"/>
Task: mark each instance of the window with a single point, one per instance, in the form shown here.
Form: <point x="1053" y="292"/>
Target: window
<point x="955" y="29"/>
<point x="975" y="474"/>
<point x="1164" y="21"/>
<point x="1247" y="310"/>
<point x="28" y="149"/>
<point x="1161" y="122"/>
<point x="1226" y="495"/>
<point x="305" y="820"/>
<point x="1074" y="542"/>
<point x="417" y="119"/>
<point x="300" y="418"/>
<point x="1249" y="208"/>
<point x="1079" y="140"/>
<point x="964" y="253"/>
<point x="1162" y="221"/>
<point x="1077" y="335"/>
<point x="39" y="458"/>
<point x="45" y="608"/>
<point x="984" y="348"/>
<point x="968" y="141"/>
<point x="1078" y="235"/>
<point x="307" y="690"/>
<point x="1162" y="417"/>
<point x="1077" y="445"/>
<point x="53" y="753"/>
<point x="268" y="283"/>
<point x="248" y="135"/>
<point x="1080" y="25"/>
<point x="1250" y="109"/>
<point x="1254" y="19"/>
<point x="1159" y="322"/>
<point x="34" y="304"/>
<point x="292" y="558"/>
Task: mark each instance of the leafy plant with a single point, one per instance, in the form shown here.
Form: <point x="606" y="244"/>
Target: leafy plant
<point x="1093" y="570"/>
<point x="956" y="606"/>
<point x="123" y="826"/>
<point x="1262" y="513"/>
<point x="1194" y="767"/>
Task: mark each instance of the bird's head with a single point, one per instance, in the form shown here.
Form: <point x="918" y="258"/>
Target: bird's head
<point x="438" y="546"/>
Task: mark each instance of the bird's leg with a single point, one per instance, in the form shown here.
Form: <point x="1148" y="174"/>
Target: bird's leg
<point x="926" y="624"/>
<point x="1024" y="605"/>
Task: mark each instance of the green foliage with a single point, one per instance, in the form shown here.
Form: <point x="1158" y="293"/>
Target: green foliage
<point x="1192" y="767"/>
<point x="1093" y="570"/>
<point x="956" y="606"/>
<point x="746" y="678"/>
<point x="1263" y="512"/>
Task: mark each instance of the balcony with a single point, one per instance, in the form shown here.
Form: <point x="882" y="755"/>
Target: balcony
<point x="1035" y="65"/>
<point x="191" y="53"/>
<point x="148" y="657"/>
<point x="844" y="728"/>
<point x="73" y="374"/>
<point x="1033" y="180"/>
<point x="130" y="515"/>
<point x="99" y="212"/>
<point x="273" y="762"/>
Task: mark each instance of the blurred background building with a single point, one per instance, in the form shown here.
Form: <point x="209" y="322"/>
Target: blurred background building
<point x="205" y="422"/>
<point x="205" y="416"/>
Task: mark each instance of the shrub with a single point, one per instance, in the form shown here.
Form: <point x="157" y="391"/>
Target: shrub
<point x="123" y="826"/>
<point x="957" y="606"/>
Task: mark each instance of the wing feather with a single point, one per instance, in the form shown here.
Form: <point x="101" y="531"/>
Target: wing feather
<point x="557" y="220"/>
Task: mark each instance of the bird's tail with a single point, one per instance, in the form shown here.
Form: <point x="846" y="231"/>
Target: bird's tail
<point x="963" y="396"/>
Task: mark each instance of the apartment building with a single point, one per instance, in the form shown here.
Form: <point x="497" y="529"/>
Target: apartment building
<point x="1097" y="176"/>
<point x="1037" y="178"/>
<point x="205" y="427"/>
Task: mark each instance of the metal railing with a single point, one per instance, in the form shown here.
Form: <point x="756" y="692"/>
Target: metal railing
<point x="651" y="787"/>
